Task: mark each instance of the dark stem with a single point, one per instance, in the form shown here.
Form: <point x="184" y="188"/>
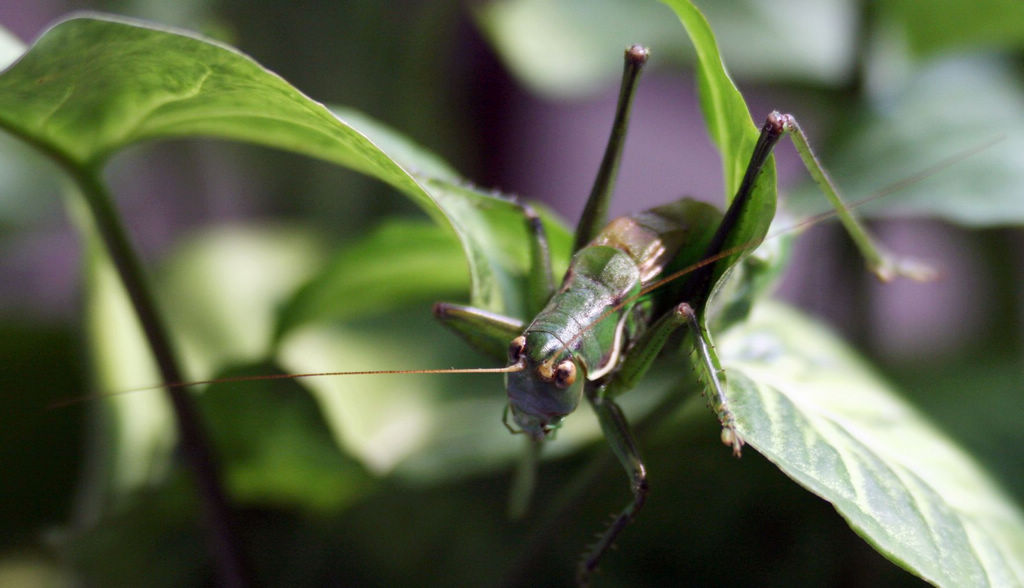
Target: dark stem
<point x="223" y="541"/>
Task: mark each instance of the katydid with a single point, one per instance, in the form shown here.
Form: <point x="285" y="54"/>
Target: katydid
<point x="598" y="332"/>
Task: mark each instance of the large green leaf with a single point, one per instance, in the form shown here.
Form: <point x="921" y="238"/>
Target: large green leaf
<point x="813" y="408"/>
<point x="91" y="87"/>
<point x="399" y="262"/>
<point x="223" y="287"/>
<point x="732" y="129"/>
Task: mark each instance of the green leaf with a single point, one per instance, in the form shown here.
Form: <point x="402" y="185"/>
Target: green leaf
<point x="222" y="288"/>
<point x="399" y="262"/>
<point x="414" y="158"/>
<point x="422" y="428"/>
<point x="289" y="459"/>
<point x="159" y="84"/>
<point x="813" y="408"/>
<point x="140" y="436"/>
<point x="733" y="131"/>
<point x="806" y="41"/>
<point x="89" y="88"/>
<point x="219" y="289"/>
<point x="725" y="112"/>
<point x="503" y="243"/>
<point x="406" y="261"/>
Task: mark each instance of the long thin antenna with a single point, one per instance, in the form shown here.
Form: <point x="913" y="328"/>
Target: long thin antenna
<point x="516" y="367"/>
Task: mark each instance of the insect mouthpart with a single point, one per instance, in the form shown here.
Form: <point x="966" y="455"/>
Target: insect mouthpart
<point x="539" y="428"/>
<point x="541" y="395"/>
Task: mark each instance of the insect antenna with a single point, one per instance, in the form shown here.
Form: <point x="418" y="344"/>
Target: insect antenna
<point x="516" y="367"/>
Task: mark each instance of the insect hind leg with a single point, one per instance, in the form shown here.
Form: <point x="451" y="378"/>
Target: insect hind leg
<point x="881" y="263"/>
<point x="595" y="212"/>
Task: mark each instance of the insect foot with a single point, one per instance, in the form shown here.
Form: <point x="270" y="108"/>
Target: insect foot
<point x="732" y="438"/>
<point x="891" y="267"/>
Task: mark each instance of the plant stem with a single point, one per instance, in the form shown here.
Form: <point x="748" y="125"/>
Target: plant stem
<point x="199" y="457"/>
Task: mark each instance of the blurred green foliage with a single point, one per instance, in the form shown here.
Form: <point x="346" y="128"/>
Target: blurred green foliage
<point x="921" y="84"/>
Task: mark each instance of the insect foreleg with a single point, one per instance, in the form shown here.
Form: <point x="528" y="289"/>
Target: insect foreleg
<point x="620" y="437"/>
<point x="486" y="331"/>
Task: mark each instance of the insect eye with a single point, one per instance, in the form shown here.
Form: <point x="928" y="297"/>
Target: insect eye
<point x="516" y="348"/>
<point x="565" y="373"/>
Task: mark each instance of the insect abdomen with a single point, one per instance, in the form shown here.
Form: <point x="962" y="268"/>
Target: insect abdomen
<point x="655" y="238"/>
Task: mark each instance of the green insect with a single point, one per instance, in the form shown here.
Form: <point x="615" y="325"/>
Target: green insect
<point x="629" y="286"/>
